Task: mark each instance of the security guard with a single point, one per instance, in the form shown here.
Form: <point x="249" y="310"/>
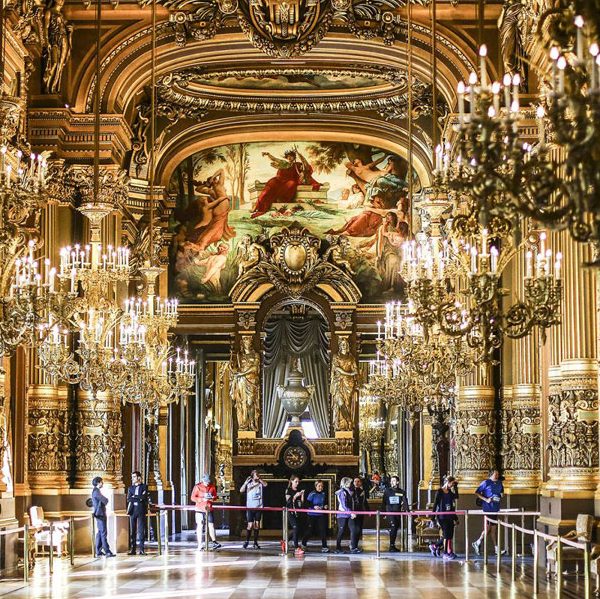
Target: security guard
<point x="137" y="508"/>
<point x="394" y="500"/>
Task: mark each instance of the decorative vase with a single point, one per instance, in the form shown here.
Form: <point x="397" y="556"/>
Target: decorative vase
<point x="296" y="395"/>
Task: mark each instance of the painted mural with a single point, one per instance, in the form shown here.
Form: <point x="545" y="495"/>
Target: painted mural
<point x="224" y="193"/>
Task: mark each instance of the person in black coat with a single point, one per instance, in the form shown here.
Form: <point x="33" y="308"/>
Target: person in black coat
<point x="99" y="503"/>
<point x="137" y="508"/>
<point x="394" y="500"/>
<point x="359" y="504"/>
<point x="445" y="501"/>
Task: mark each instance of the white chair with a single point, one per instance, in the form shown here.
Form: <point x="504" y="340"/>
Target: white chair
<point x="60" y="532"/>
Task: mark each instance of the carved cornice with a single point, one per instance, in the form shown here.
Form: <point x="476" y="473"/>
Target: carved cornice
<point x="71" y="136"/>
<point x="181" y="96"/>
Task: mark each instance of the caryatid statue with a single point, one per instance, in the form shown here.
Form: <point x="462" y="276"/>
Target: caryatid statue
<point x="245" y="370"/>
<point x="344" y="375"/>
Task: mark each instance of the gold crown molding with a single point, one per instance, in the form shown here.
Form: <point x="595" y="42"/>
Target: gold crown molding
<point x="125" y="69"/>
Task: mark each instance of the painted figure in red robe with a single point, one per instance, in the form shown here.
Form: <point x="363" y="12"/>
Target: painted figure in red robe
<point x="283" y="186"/>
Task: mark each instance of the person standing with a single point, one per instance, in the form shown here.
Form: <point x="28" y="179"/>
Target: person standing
<point x="395" y="500"/>
<point x="317" y="521"/>
<point x="294" y="498"/>
<point x="203" y="495"/>
<point x="137" y="508"/>
<point x="445" y="501"/>
<point x="489" y="494"/>
<point x="359" y="504"/>
<point x="253" y="487"/>
<point x="99" y="503"/>
<point x="346" y="518"/>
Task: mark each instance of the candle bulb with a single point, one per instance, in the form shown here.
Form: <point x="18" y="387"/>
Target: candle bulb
<point x="461" y="101"/>
<point x="472" y="82"/>
<point x="542" y="243"/>
<point x="557" y="266"/>
<point x="494" y="259"/>
<point x="506" y="81"/>
<point x="473" y="261"/>
<point x="496" y="96"/>
<point x="482" y="71"/>
<point x="579" y="39"/>
<point x="594" y="51"/>
<point x="516" y="81"/>
<point x="561" y="63"/>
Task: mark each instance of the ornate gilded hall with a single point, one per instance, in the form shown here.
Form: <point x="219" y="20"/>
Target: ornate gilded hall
<point x="299" y="297"/>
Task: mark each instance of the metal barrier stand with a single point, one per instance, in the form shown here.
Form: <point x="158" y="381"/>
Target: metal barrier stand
<point x="284" y="519"/>
<point x="51" y="550"/>
<point x="485" y="540"/>
<point x="26" y="553"/>
<point x="378" y="533"/>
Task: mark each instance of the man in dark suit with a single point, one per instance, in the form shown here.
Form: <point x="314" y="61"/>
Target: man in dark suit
<point x="137" y="508"/>
<point x="99" y="503"/>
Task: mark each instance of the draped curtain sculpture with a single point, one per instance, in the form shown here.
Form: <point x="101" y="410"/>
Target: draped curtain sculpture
<point x="287" y="340"/>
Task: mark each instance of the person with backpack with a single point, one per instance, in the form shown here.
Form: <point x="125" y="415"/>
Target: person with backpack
<point x="445" y="501"/>
<point x="346" y="520"/>
<point x="253" y="487"/>
<point x="394" y="500"/>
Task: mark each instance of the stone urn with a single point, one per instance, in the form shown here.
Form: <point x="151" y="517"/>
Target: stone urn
<point x="296" y="395"/>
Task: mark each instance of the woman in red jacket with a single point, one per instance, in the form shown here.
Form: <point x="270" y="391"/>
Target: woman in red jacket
<point x="203" y="495"/>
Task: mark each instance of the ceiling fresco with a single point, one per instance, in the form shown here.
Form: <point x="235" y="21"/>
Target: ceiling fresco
<point x="336" y="190"/>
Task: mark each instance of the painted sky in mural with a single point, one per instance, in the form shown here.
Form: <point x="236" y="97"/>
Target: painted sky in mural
<point x="332" y="188"/>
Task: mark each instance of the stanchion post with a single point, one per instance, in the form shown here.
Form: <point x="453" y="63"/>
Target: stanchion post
<point x="93" y="530"/>
<point x="26" y="553"/>
<point x="284" y="521"/>
<point x="559" y="573"/>
<point x="586" y="571"/>
<point x="166" y="513"/>
<point x="499" y="533"/>
<point x="522" y="535"/>
<point x="485" y="540"/>
<point x="378" y="532"/>
<point x="51" y="550"/>
<point x="513" y="552"/>
<point x="536" y="563"/>
<point x="206" y="535"/>
<point x="467" y="544"/>
<point x="158" y="535"/>
<point x="72" y="540"/>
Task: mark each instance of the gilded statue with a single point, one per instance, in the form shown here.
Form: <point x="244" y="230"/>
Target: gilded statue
<point x="245" y="369"/>
<point x="343" y="386"/>
<point x="512" y="27"/>
<point x="57" y="44"/>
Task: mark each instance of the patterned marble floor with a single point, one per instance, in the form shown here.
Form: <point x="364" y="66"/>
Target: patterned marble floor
<point x="233" y="573"/>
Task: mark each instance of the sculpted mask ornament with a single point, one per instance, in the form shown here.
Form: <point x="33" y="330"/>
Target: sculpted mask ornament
<point x="294" y="262"/>
<point x="285" y="28"/>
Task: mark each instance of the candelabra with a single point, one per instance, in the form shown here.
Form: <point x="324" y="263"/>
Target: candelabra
<point x="26" y="306"/>
<point x="160" y="373"/>
<point x="89" y="277"/>
<point x="476" y="312"/>
<point x="413" y="369"/>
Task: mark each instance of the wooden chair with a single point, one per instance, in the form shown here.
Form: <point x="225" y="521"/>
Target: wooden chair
<point x="584" y="526"/>
<point x="41" y="527"/>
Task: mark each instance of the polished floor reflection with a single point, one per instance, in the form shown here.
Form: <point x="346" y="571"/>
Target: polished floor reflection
<point x="234" y="573"/>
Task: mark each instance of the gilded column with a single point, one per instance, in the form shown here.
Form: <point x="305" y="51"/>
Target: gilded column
<point x="521" y="436"/>
<point x="475" y="428"/>
<point x="98" y="440"/>
<point x="48" y="430"/>
<point x="573" y="413"/>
